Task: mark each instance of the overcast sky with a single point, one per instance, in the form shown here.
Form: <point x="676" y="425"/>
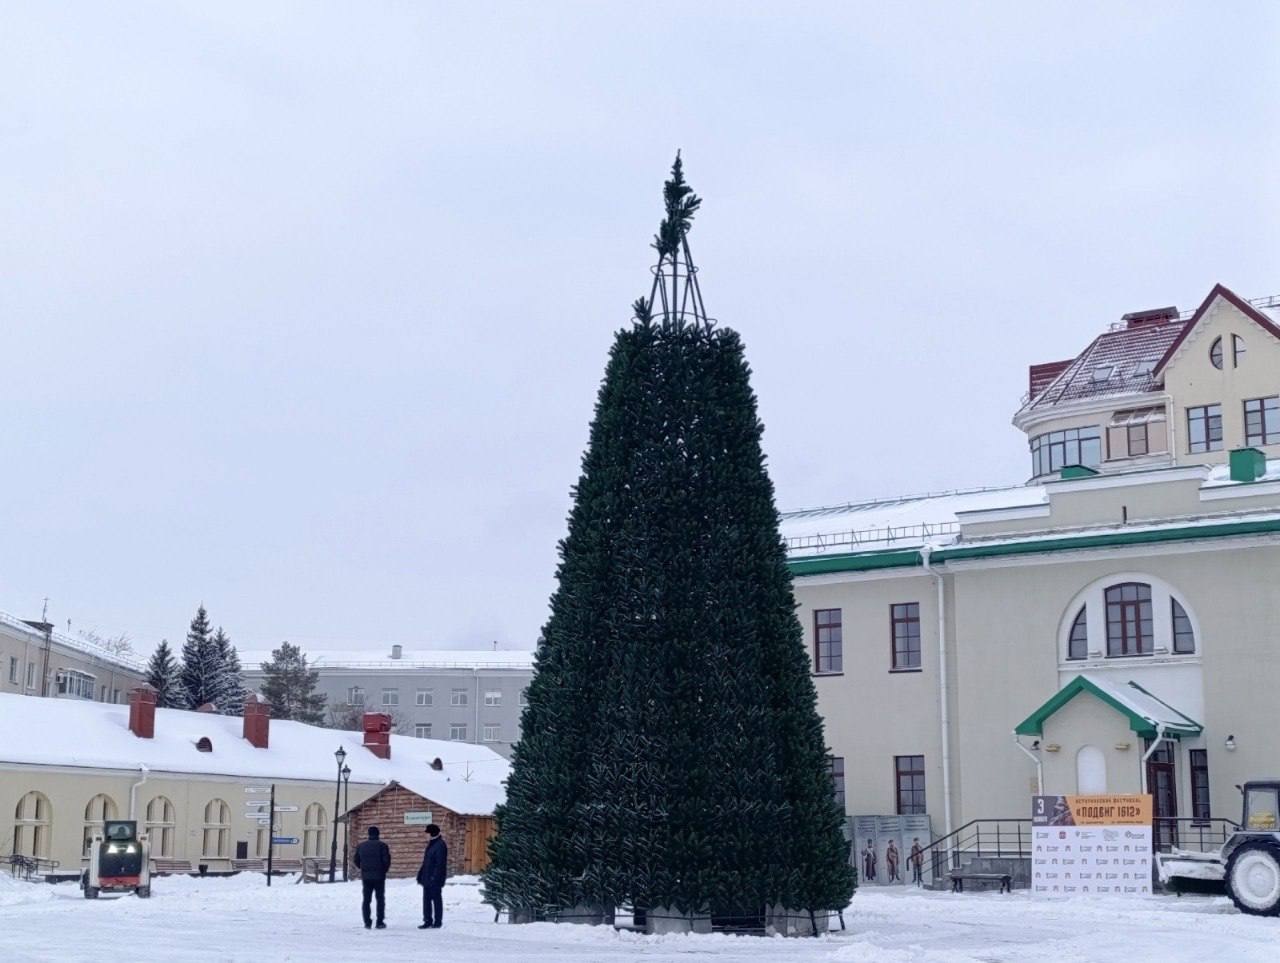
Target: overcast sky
<point x="305" y="305"/>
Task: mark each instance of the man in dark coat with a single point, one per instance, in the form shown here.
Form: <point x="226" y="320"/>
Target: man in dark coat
<point x="431" y="877"/>
<point x="373" y="859"/>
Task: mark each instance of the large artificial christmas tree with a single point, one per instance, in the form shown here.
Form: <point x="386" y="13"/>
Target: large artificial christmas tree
<point x="290" y="687"/>
<point x="163" y="676"/>
<point x="671" y="754"/>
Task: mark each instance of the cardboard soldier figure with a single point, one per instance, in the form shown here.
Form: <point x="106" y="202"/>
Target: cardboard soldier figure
<point x="891" y="856"/>
<point x="869" y="862"/>
<point x="917" y="861"/>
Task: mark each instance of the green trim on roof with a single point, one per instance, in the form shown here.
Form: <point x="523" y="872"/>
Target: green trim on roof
<point x="1033" y="725"/>
<point x="1150" y="695"/>
<point x="861" y="562"/>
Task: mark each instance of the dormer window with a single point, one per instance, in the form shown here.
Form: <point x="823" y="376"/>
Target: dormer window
<point x="1143" y="368"/>
<point x="1103" y="372"/>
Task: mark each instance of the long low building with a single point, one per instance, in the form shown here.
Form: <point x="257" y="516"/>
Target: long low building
<point x="37" y="660"/>
<point x="461" y="695"/>
<point x="193" y="780"/>
<point x="1112" y="626"/>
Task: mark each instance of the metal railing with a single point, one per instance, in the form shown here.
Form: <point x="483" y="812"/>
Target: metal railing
<point x="976" y="839"/>
<point x="28" y="867"/>
<point x="860" y="538"/>
<point x="1189" y="833"/>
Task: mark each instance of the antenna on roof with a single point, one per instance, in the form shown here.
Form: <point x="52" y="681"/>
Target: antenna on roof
<point x="44" y="612"/>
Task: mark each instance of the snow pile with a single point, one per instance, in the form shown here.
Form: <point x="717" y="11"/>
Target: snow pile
<point x="14" y="891"/>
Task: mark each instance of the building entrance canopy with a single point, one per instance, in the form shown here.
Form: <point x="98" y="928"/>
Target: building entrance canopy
<point x="1148" y="716"/>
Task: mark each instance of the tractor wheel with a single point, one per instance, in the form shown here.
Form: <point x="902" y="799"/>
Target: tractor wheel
<point x="1253" y="879"/>
<point x="91" y="892"/>
<point x="144" y="892"/>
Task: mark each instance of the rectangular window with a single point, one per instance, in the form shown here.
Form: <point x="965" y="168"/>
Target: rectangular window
<point x="458" y="731"/>
<point x="1184" y="636"/>
<point x="390" y="697"/>
<point x="1262" y="421"/>
<point x="491" y="733"/>
<point x="458" y="698"/>
<point x="13" y="669"/>
<point x="909" y="784"/>
<point x="355" y="696"/>
<point x="1204" y="428"/>
<point x="422" y="730"/>
<point x="905" y="621"/>
<point x="31" y="675"/>
<point x="77" y="684"/>
<point x="1129" y="627"/>
<point x="828" y="640"/>
<point x="425" y="697"/>
<point x="835" y="765"/>
<point x="493" y="698"/>
<point x="1056" y="450"/>
<point x="1140" y="431"/>
<point x="1199" y="759"/>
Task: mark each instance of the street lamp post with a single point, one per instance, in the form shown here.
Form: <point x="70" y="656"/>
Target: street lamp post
<point x="346" y="817"/>
<point x="340" y="755"/>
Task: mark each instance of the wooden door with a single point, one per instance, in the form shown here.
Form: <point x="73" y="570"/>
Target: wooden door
<point x="475" y="856"/>
<point x="1162" y="784"/>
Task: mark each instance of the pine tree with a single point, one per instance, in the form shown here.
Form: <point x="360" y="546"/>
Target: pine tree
<point x="163" y="675"/>
<point x="289" y="686"/>
<point x="229" y="677"/>
<point x="201" y="666"/>
<point x="671" y="753"/>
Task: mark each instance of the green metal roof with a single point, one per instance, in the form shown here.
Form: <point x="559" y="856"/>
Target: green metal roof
<point x="1147" y="714"/>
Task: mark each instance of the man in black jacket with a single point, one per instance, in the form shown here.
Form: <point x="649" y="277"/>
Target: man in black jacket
<point x="373" y="859"/>
<point x="431" y="877"/>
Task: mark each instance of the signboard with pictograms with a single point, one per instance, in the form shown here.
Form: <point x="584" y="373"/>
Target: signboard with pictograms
<point x="1091" y="845"/>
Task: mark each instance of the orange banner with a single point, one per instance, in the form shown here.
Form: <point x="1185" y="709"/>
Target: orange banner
<point x="1116" y="810"/>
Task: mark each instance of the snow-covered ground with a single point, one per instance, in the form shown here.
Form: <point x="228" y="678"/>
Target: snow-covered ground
<point x="240" y="919"/>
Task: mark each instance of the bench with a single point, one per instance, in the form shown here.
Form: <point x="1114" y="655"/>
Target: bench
<point x="160" y="866"/>
<point x="1004" y="879"/>
<point x="260" y="865"/>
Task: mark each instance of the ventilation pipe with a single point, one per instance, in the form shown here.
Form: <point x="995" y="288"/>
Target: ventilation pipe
<point x="133" y="792"/>
<point x="1155" y="744"/>
<point x="944" y="712"/>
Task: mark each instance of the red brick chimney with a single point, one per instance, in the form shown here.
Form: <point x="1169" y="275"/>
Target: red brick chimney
<point x="257" y="720"/>
<point x="142" y="712"/>
<point x="377" y="734"/>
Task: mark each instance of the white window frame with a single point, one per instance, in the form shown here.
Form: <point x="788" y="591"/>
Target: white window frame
<point x="390" y="698"/>
<point x="13" y="669"/>
<point x="458" y="732"/>
<point x="493" y="698"/>
<point x="458" y="697"/>
<point x="355" y="695"/>
<point x="31" y="675"/>
<point x="422" y="730"/>
<point x="492" y="733"/>
<point x="425" y="697"/>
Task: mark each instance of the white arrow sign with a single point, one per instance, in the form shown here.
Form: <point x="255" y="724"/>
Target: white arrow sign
<point x="286" y="809"/>
<point x="263" y="818"/>
<point x="257" y="789"/>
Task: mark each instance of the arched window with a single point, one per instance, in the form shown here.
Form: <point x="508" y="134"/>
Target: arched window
<point x="160" y="826"/>
<point x="1078" y="641"/>
<point x="32" y="826"/>
<point x="1237" y="350"/>
<point x="1215" y="353"/>
<point x="1184" y="636"/>
<point x="217" y="829"/>
<point x="101" y="808"/>
<point x="1129" y="622"/>
<point x="314" y="831"/>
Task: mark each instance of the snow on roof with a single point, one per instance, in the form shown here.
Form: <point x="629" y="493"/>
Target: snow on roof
<point x="1146" y="705"/>
<point x="1220" y="475"/>
<point x="1148" y="715"/>
<point x="409" y="659"/>
<point x="131" y="662"/>
<point x="69" y="732"/>
<point x="904" y="522"/>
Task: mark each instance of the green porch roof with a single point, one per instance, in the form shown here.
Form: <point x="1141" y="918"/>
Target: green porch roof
<point x="1146" y="713"/>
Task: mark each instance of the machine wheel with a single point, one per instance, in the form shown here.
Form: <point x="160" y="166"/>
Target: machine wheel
<point x="1253" y="879"/>
<point x="91" y="892"/>
<point x="144" y="892"/>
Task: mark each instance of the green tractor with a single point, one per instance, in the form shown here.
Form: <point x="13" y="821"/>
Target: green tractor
<point x="1252" y="853"/>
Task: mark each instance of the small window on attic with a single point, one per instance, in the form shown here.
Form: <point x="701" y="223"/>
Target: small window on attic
<point x="1143" y="368"/>
<point x="1102" y="372"/>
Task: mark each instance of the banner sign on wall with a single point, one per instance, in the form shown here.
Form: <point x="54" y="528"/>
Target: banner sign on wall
<point x="1091" y="844"/>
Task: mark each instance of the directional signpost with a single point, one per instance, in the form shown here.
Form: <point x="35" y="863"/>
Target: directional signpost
<point x="285" y="840"/>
